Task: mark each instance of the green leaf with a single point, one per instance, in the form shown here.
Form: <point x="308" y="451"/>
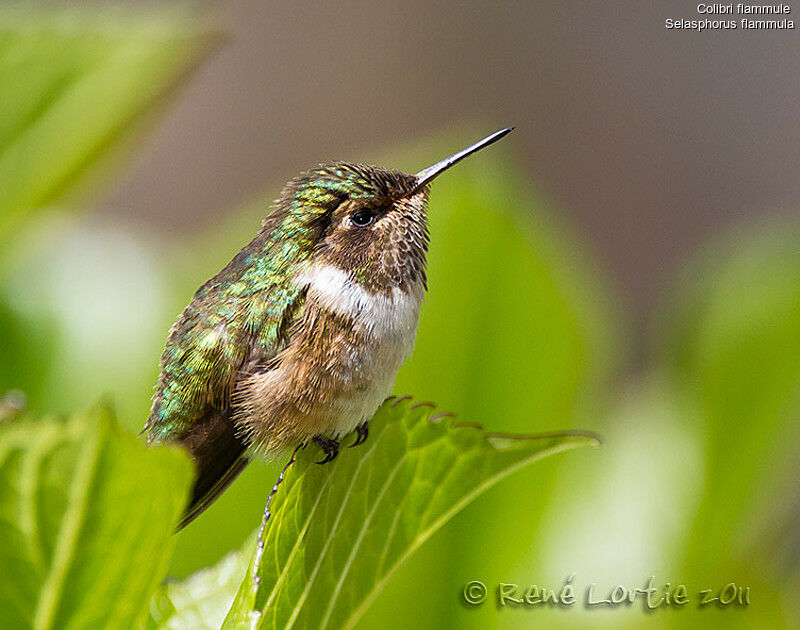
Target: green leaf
<point x="86" y="519"/>
<point x="27" y="345"/>
<point x="338" y="532"/>
<point x="733" y="348"/>
<point x="735" y="344"/>
<point x="73" y="83"/>
<point x="201" y="601"/>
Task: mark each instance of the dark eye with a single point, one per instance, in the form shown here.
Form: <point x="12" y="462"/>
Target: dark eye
<point x="362" y="218"/>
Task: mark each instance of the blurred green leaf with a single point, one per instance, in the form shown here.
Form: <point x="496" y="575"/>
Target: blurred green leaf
<point x="338" y="532"/>
<point x="86" y="518"/>
<point x="736" y="344"/>
<point x="74" y="81"/>
<point x="201" y="601"/>
<point x="733" y="343"/>
<point x="25" y="349"/>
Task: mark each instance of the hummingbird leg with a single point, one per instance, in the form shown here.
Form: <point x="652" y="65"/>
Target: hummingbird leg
<point x="328" y="445"/>
<point x="362" y="433"/>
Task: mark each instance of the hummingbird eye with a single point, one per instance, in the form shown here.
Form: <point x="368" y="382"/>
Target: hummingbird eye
<point x="362" y="218"/>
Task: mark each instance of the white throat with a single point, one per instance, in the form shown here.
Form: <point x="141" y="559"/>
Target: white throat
<point x="381" y="314"/>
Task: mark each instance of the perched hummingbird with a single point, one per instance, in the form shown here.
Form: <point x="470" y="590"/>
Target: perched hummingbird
<point x="299" y="338"/>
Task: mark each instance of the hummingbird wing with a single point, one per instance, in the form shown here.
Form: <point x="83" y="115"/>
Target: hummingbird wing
<point x="219" y="456"/>
<point x="236" y="320"/>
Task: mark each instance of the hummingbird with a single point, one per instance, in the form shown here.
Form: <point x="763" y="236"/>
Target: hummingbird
<point x="298" y="339"/>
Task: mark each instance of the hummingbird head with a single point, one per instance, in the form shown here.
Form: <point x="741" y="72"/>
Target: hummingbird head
<point x="367" y="221"/>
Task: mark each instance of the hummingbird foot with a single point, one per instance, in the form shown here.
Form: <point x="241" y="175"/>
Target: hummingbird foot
<point x="362" y="433"/>
<point x="329" y="446"/>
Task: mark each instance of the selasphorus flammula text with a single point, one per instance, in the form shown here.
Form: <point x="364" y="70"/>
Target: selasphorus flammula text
<point x="300" y="336"/>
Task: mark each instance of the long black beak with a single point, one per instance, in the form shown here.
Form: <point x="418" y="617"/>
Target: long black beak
<point x="428" y="174"/>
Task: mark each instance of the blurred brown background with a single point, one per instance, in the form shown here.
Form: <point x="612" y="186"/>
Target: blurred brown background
<point x="648" y="139"/>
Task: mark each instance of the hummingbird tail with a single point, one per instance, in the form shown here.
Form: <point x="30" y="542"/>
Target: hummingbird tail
<point x="219" y="457"/>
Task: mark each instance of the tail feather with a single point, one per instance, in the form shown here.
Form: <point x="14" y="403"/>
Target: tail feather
<point x="219" y="456"/>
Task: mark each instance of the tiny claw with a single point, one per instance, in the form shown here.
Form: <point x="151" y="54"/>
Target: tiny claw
<point x="329" y="446"/>
<point x="362" y="433"/>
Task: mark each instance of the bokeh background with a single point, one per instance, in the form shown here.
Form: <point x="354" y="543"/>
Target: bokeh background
<point x="628" y="261"/>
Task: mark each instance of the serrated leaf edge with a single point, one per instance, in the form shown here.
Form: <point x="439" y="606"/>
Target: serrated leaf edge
<point x="590" y="439"/>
